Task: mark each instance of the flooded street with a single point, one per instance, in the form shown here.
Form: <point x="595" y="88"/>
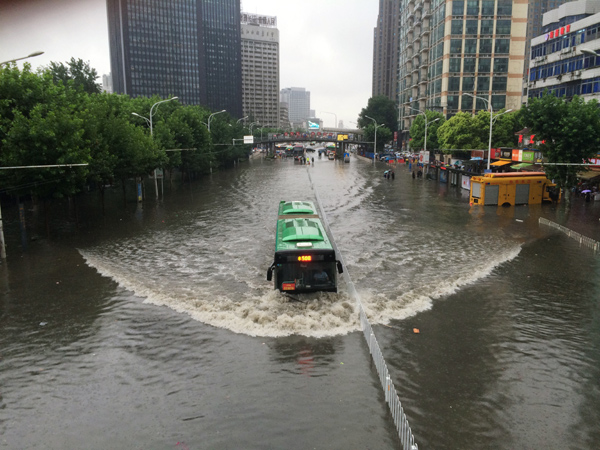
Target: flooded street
<point x="157" y="329"/>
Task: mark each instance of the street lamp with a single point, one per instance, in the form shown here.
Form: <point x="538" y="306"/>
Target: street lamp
<point x="491" y="125"/>
<point x="426" y="125"/>
<point x="31" y="55"/>
<point x="251" y="125"/>
<point x="149" y="121"/>
<point x="210" y="117"/>
<point x="243" y="118"/>
<point x="376" y="126"/>
<point x="334" y="115"/>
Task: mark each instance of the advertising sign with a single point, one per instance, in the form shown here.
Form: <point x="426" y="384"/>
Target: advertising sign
<point x="527" y="156"/>
<point x="516" y="155"/>
<point x="313" y="125"/>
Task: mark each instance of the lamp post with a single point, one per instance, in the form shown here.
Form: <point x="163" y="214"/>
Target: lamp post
<point x="489" y="103"/>
<point x="376" y="126"/>
<point x="426" y="125"/>
<point x="334" y="115"/>
<point x="243" y="118"/>
<point x="149" y="120"/>
<point x="31" y="55"/>
<point x="211" y="116"/>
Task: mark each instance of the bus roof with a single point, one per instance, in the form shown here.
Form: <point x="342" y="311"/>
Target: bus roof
<point x="515" y="174"/>
<point x="296" y="207"/>
<point x="299" y="227"/>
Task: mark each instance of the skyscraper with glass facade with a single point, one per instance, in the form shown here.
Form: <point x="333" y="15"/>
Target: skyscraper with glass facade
<point x="451" y="48"/>
<point x="187" y="48"/>
<point x="385" y="50"/>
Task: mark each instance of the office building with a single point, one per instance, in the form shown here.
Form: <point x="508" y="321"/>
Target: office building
<point x="185" y="48"/>
<point x="565" y="59"/>
<point x="260" y="69"/>
<point x="298" y="101"/>
<point x="452" y="48"/>
<point x="536" y="10"/>
<point x="385" y="50"/>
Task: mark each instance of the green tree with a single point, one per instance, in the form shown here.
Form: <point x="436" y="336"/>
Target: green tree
<point x="570" y="132"/>
<point x="460" y="132"/>
<point x="76" y="73"/>
<point x="384" y="135"/>
<point x="417" y="130"/>
<point x="383" y="110"/>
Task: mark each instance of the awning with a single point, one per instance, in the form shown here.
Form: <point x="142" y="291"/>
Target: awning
<point x="588" y="174"/>
<point x="521" y="166"/>
<point x="500" y="163"/>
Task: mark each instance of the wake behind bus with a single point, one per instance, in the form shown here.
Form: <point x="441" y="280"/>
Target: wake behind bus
<point x="305" y="260"/>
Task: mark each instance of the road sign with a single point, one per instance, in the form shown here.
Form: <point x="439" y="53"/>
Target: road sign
<point x="248" y="139"/>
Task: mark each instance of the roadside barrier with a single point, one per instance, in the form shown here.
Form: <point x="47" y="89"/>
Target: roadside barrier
<point x="583" y="240"/>
<point x="391" y="396"/>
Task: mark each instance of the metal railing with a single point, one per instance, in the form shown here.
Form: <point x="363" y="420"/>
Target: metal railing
<point x="583" y="240"/>
<point x="391" y="396"/>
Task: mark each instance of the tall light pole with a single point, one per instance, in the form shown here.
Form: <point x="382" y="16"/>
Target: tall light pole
<point x="211" y="116"/>
<point x="243" y="118"/>
<point x="31" y="55"/>
<point x="426" y="125"/>
<point x="251" y="125"/>
<point x="334" y="115"/>
<point x="149" y="120"/>
<point x="376" y="126"/>
<point x="489" y="103"/>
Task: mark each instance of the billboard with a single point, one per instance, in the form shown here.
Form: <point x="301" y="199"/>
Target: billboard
<point x="313" y="125"/>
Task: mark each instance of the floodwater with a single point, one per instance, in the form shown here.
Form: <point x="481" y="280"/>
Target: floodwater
<point x="155" y="327"/>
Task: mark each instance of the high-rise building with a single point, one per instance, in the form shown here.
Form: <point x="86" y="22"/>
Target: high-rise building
<point x="385" y="50"/>
<point x="298" y="101"/>
<point x="451" y="50"/>
<point x="565" y="58"/>
<point x="536" y="10"/>
<point x="260" y="69"/>
<point x="187" y="48"/>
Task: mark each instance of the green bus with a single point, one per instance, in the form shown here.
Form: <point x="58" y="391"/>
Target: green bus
<point x="305" y="261"/>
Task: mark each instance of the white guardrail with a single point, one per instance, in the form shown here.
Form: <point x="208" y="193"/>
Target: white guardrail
<point x="391" y="396"/>
<point x="583" y="240"/>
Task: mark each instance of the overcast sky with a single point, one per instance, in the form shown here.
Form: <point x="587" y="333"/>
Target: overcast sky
<point x="326" y="46"/>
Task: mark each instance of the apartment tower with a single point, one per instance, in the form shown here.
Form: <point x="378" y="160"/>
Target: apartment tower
<point x="385" y="50"/>
<point x="260" y="69"/>
<point x="452" y="49"/>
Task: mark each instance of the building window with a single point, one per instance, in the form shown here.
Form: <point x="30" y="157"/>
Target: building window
<point x="454" y="83"/>
<point x="483" y="84"/>
<point x="455" y="64"/>
<point x="487" y="26"/>
<point x="485" y="46"/>
<point x="499" y="84"/>
<point x="484" y="65"/>
<point x="455" y="45"/>
<point x="504" y="7"/>
<point x="502" y="45"/>
<point x="471" y="27"/>
<point x="470" y="46"/>
<point x="468" y="84"/>
<point x="503" y="26"/>
<point x="498" y="102"/>
<point x="487" y="7"/>
<point x="469" y="65"/>
<point x="457" y="26"/>
<point x="458" y="7"/>
<point x="472" y="7"/>
<point x="467" y="102"/>
<point x="453" y="101"/>
<point x="501" y="65"/>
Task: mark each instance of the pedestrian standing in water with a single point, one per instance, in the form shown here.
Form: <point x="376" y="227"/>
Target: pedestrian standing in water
<point x="393" y="175"/>
<point x="413" y="174"/>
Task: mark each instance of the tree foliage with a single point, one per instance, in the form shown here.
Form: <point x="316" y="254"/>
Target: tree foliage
<point x="57" y="117"/>
<point x="464" y="131"/>
<point x="381" y="109"/>
<point x="569" y="130"/>
<point x="417" y="130"/>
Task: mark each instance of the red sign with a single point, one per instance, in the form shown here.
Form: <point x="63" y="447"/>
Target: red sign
<point x="288" y="286"/>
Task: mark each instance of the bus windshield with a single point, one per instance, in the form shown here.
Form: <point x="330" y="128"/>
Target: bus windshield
<point x="310" y="276"/>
